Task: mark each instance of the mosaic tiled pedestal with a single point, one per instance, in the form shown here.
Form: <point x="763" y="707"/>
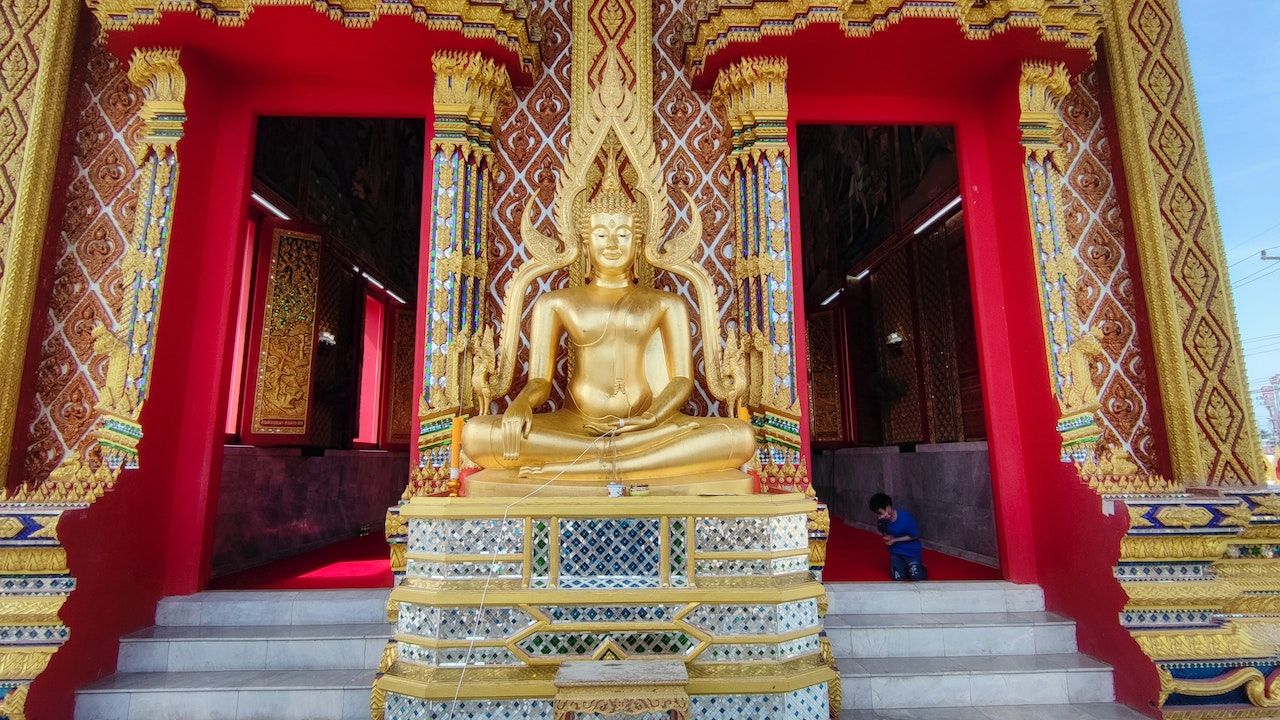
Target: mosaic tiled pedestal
<point x="497" y="595"/>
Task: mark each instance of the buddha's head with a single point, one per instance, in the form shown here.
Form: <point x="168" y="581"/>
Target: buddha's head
<point x="612" y="232"/>
<point x="611" y="244"/>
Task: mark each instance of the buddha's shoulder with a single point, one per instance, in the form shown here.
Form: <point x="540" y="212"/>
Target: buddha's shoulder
<point x="555" y="297"/>
<point x="664" y="297"/>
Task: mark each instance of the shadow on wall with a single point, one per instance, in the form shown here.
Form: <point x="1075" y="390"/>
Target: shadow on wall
<point x="274" y="502"/>
<point x="946" y="486"/>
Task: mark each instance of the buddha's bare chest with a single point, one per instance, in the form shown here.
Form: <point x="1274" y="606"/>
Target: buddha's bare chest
<point x="610" y="328"/>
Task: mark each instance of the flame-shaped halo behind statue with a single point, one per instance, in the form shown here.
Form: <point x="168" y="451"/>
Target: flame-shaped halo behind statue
<point x="613" y="118"/>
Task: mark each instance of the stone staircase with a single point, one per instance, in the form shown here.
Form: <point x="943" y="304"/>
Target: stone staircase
<point x="926" y="651"/>
<point x="961" y="650"/>
<point x="247" y="654"/>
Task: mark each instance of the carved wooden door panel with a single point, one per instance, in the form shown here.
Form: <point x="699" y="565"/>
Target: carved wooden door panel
<point x="279" y="384"/>
<point x="397" y="426"/>
<point x="826" y="389"/>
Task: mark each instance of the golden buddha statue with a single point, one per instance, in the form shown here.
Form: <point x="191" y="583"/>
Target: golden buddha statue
<point x="631" y="373"/>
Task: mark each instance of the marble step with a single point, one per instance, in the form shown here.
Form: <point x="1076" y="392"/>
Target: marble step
<point x="1081" y="711"/>
<point x="880" y="598"/>
<point x="885" y="683"/>
<point x="275" y="607"/>
<point x="190" y="648"/>
<point x="242" y="695"/>
<point x="950" y="634"/>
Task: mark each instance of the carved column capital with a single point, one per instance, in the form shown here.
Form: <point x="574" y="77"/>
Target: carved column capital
<point x="1040" y="90"/>
<point x="158" y="74"/>
<point x="471" y="91"/>
<point x="753" y="95"/>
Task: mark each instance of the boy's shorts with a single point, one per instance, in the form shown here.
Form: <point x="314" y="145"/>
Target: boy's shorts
<point x="902" y="567"/>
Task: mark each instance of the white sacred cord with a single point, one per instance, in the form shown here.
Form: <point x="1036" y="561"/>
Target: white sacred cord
<point x="484" y="593"/>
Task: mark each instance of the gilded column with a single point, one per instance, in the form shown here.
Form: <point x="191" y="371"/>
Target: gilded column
<point x="1072" y="346"/>
<point x="129" y="343"/>
<point x="753" y="96"/>
<point x="33" y="103"/>
<point x="470" y="91"/>
<point x="1199" y="366"/>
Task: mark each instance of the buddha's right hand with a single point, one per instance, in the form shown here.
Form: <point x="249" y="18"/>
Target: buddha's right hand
<point x="516" y="423"/>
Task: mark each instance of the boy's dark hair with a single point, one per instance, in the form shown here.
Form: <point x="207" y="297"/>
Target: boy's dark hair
<point x="880" y="501"/>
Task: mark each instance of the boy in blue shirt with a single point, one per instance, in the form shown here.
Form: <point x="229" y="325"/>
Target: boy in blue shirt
<point x="902" y="536"/>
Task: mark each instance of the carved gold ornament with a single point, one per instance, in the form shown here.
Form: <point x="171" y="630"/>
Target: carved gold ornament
<point x="505" y="23"/>
<point x="1184" y="516"/>
<point x="717" y="24"/>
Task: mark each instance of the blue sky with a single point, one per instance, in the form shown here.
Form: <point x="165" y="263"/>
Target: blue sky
<point x="1235" y="64"/>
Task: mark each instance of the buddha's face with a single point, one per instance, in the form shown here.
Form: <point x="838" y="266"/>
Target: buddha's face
<point x="612" y="246"/>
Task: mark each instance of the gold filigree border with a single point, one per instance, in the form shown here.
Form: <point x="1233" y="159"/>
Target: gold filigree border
<point x="506" y="23"/>
<point x="717" y="24"/>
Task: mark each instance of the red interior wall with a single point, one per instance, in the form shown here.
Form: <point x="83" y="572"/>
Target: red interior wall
<point x="192" y="514"/>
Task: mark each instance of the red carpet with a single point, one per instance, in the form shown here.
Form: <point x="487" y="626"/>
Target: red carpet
<point x="362" y="562"/>
<point x="856" y="555"/>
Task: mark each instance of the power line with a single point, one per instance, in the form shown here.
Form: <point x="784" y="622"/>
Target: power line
<point x="1262" y="270"/>
<point x="1253" y="237"/>
<point x="1251" y="256"/>
<point x="1270" y="272"/>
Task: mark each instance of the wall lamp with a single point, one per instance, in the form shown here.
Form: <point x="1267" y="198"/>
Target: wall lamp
<point x="937" y="216"/>
<point x="266" y="205"/>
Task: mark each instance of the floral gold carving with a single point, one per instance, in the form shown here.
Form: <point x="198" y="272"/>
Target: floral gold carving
<point x="1184" y="516"/>
<point x="1104" y="297"/>
<point x="1179" y="547"/>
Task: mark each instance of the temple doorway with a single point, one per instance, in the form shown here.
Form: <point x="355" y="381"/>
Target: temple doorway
<point x="896" y="400"/>
<point x="320" y="403"/>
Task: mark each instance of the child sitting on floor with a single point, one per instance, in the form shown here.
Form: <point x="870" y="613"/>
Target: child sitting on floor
<point x="902" y="536"/>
